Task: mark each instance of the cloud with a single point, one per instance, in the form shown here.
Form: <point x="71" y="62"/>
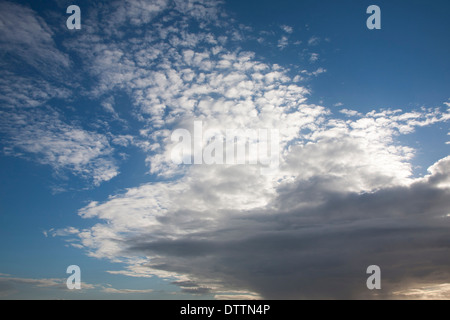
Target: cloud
<point x="237" y="297"/>
<point x="126" y="291"/>
<point x="35" y="70"/>
<point x="283" y="42"/>
<point x="343" y="197"/>
<point x="324" y="244"/>
<point x="138" y="12"/>
<point x="314" y="57"/>
<point x="196" y="291"/>
<point x="287" y="29"/>
<point x="58" y="144"/>
<point x="317" y="231"/>
<point x="12" y="285"/>
<point x="62" y="232"/>
<point x="318" y="71"/>
<point x="427" y="292"/>
<point x="26" y="36"/>
<point x="313" y="41"/>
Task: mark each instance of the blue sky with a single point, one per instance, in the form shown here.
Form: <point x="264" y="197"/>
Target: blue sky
<point x="86" y="118"/>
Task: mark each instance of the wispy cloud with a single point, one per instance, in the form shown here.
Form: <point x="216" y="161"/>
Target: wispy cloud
<point x="348" y="112"/>
<point x="25" y="35"/>
<point x="126" y="291"/>
<point x="10" y="285"/>
<point x="283" y="42"/>
<point x="287" y="29"/>
<point x="58" y="144"/>
<point x="314" y="57"/>
<point x="313" y="41"/>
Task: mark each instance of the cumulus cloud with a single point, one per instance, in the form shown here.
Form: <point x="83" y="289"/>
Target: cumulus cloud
<point x="309" y="241"/>
<point x="25" y="92"/>
<point x="314" y="57"/>
<point x="309" y="222"/>
<point x="34" y="69"/>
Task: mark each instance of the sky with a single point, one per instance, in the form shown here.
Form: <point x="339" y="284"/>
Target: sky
<point x="89" y="177"/>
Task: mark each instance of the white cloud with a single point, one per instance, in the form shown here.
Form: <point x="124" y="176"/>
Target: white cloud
<point x="287" y="29"/>
<point x="174" y="241"/>
<point x="346" y="158"/>
<point x="108" y="105"/>
<point x="63" y="232"/>
<point x="58" y="144"/>
<point x="126" y="291"/>
<point x="27" y="36"/>
<point x="319" y="71"/>
<point x="243" y="296"/>
<point x="283" y="42"/>
<point x="10" y="285"/>
<point x="313" y="41"/>
<point x="314" y="57"/>
<point x="427" y="292"/>
<point x="347" y="112"/>
<point x="21" y="92"/>
<point x="36" y="282"/>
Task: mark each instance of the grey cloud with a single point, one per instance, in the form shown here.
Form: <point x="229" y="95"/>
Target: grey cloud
<point x="6" y="288"/>
<point x="188" y="284"/>
<point x="27" y="44"/>
<point x="198" y="291"/>
<point x="322" y="251"/>
<point x="9" y="286"/>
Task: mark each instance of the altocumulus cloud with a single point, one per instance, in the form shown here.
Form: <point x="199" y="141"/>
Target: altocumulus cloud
<point x="343" y="198"/>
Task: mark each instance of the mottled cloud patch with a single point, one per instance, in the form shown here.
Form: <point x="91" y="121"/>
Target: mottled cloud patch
<point x="66" y="148"/>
